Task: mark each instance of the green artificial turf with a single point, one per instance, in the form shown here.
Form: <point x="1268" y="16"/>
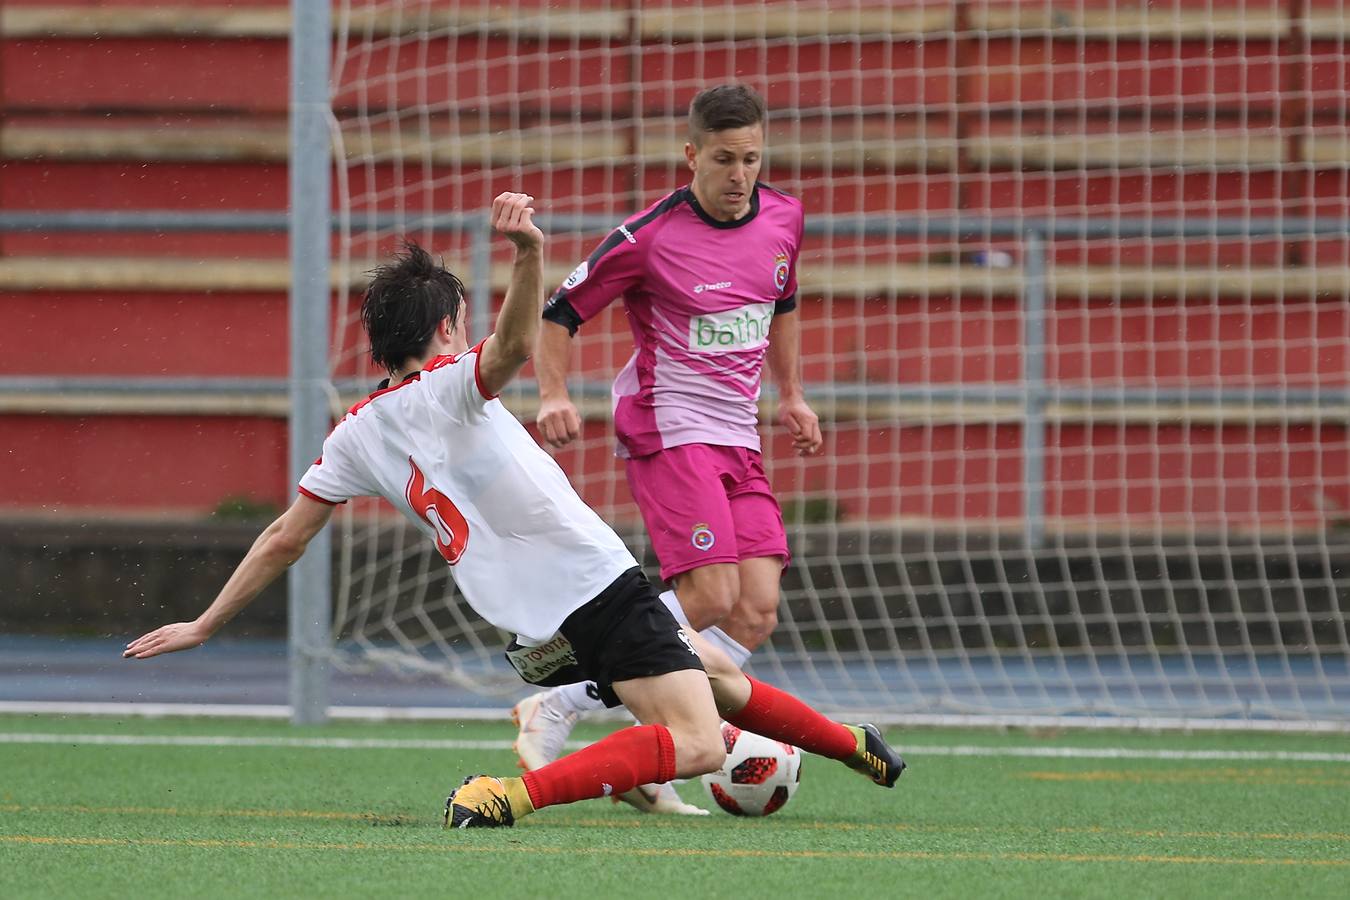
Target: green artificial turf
<point x="85" y="819"/>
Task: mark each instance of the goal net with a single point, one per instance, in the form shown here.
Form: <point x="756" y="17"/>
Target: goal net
<point x="1075" y="304"/>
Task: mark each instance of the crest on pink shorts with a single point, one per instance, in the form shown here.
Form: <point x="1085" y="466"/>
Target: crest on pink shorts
<point x="703" y="538"/>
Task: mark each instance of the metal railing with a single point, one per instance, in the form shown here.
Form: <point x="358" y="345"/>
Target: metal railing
<point x="309" y="407"/>
<point x="1034" y="394"/>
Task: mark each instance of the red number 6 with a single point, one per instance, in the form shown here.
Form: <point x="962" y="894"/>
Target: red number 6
<point x="438" y="511"/>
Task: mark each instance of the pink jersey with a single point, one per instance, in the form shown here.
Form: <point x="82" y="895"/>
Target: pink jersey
<point x="700" y="296"/>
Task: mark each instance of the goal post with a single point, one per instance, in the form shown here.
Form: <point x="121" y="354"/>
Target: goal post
<point x="309" y="581"/>
<point x="1075" y="296"/>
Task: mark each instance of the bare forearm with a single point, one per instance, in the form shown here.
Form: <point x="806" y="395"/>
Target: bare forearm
<point x="280" y="544"/>
<point x="785" y="355"/>
<point x="785" y="367"/>
<point x="518" y="321"/>
<point x="552" y="359"/>
<point x="269" y="557"/>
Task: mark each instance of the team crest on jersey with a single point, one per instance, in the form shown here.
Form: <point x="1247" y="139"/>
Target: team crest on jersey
<point x="703" y="538"/>
<point x="780" y="271"/>
<point x="578" y="275"/>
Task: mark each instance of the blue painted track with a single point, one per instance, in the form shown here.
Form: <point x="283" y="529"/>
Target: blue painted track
<point x="237" y="671"/>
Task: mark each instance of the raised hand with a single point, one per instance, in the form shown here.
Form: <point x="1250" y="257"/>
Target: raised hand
<point x="512" y="218"/>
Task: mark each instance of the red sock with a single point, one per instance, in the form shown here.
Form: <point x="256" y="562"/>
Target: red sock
<point x="781" y="716"/>
<point x="643" y="754"/>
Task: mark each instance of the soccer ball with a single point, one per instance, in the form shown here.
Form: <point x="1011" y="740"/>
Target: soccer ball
<point x="759" y="776"/>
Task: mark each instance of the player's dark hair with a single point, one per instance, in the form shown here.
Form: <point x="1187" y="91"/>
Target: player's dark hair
<point x="405" y="303"/>
<point x="723" y="107"/>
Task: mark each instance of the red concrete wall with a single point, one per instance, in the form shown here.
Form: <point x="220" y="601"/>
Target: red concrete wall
<point x="1170" y="476"/>
<point x="971" y="86"/>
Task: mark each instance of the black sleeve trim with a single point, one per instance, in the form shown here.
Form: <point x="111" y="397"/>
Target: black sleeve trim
<point x="786" y="305"/>
<point x="669" y="202"/>
<point x="627" y="231"/>
<point x="559" y="311"/>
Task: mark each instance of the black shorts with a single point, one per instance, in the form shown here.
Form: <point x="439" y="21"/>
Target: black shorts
<point x="627" y="632"/>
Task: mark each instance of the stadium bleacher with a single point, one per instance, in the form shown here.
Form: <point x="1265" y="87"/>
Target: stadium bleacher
<point x="138" y="106"/>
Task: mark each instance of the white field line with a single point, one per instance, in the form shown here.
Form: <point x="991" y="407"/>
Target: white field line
<point x="1130" y="753"/>
<point x="248" y="710"/>
<point x="502" y="713"/>
<point x="311" y="743"/>
<point x="305" y="743"/>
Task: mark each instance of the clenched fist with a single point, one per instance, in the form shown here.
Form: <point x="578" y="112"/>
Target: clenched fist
<point x="512" y="218"/>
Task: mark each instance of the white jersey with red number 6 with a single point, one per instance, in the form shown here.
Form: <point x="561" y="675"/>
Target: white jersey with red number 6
<point x="525" y="550"/>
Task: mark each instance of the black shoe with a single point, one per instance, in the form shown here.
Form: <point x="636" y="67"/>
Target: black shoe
<point x="874" y="757"/>
<point x="479" y="803"/>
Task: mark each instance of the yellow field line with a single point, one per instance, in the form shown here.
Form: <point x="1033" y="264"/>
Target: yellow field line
<point x="1156" y="833"/>
<point x="1204" y="835"/>
<point x="655" y="822"/>
<point x="1152" y="833"/>
<point x="450" y="846"/>
<point x="1269" y="777"/>
<point x="205" y="812"/>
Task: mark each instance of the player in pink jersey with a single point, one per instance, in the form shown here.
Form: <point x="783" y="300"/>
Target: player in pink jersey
<point x="436" y="442"/>
<point x="708" y="277"/>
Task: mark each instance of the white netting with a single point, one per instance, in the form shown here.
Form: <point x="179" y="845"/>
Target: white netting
<point x="1124" y="487"/>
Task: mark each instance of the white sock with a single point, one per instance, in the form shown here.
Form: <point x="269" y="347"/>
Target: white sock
<point x="714" y="635"/>
<point x="738" y="652"/>
<point x="579" y="698"/>
<point x="673" y="604"/>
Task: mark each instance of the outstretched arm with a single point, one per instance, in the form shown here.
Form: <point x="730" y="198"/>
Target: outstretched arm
<point x="785" y="335"/>
<point x="508" y="348"/>
<point x="280" y="545"/>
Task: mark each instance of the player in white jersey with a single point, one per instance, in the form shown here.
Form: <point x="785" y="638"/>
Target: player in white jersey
<point x="436" y="443"/>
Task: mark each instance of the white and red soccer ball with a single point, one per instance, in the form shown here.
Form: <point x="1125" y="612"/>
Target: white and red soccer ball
<point x="759" y="776"/>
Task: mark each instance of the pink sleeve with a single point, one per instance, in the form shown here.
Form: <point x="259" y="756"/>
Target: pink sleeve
<point x="611" y="269"/>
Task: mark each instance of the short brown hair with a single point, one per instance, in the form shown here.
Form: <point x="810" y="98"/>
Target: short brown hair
<point x="723" y="107"/>
<point x="406" y="302"/>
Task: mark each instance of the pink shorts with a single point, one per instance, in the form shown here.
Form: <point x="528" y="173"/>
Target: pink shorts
<point x="705" y="504"/>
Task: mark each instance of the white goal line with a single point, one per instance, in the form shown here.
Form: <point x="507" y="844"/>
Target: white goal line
<point x="502" y="713"/>
<point x="918" y="750"/>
